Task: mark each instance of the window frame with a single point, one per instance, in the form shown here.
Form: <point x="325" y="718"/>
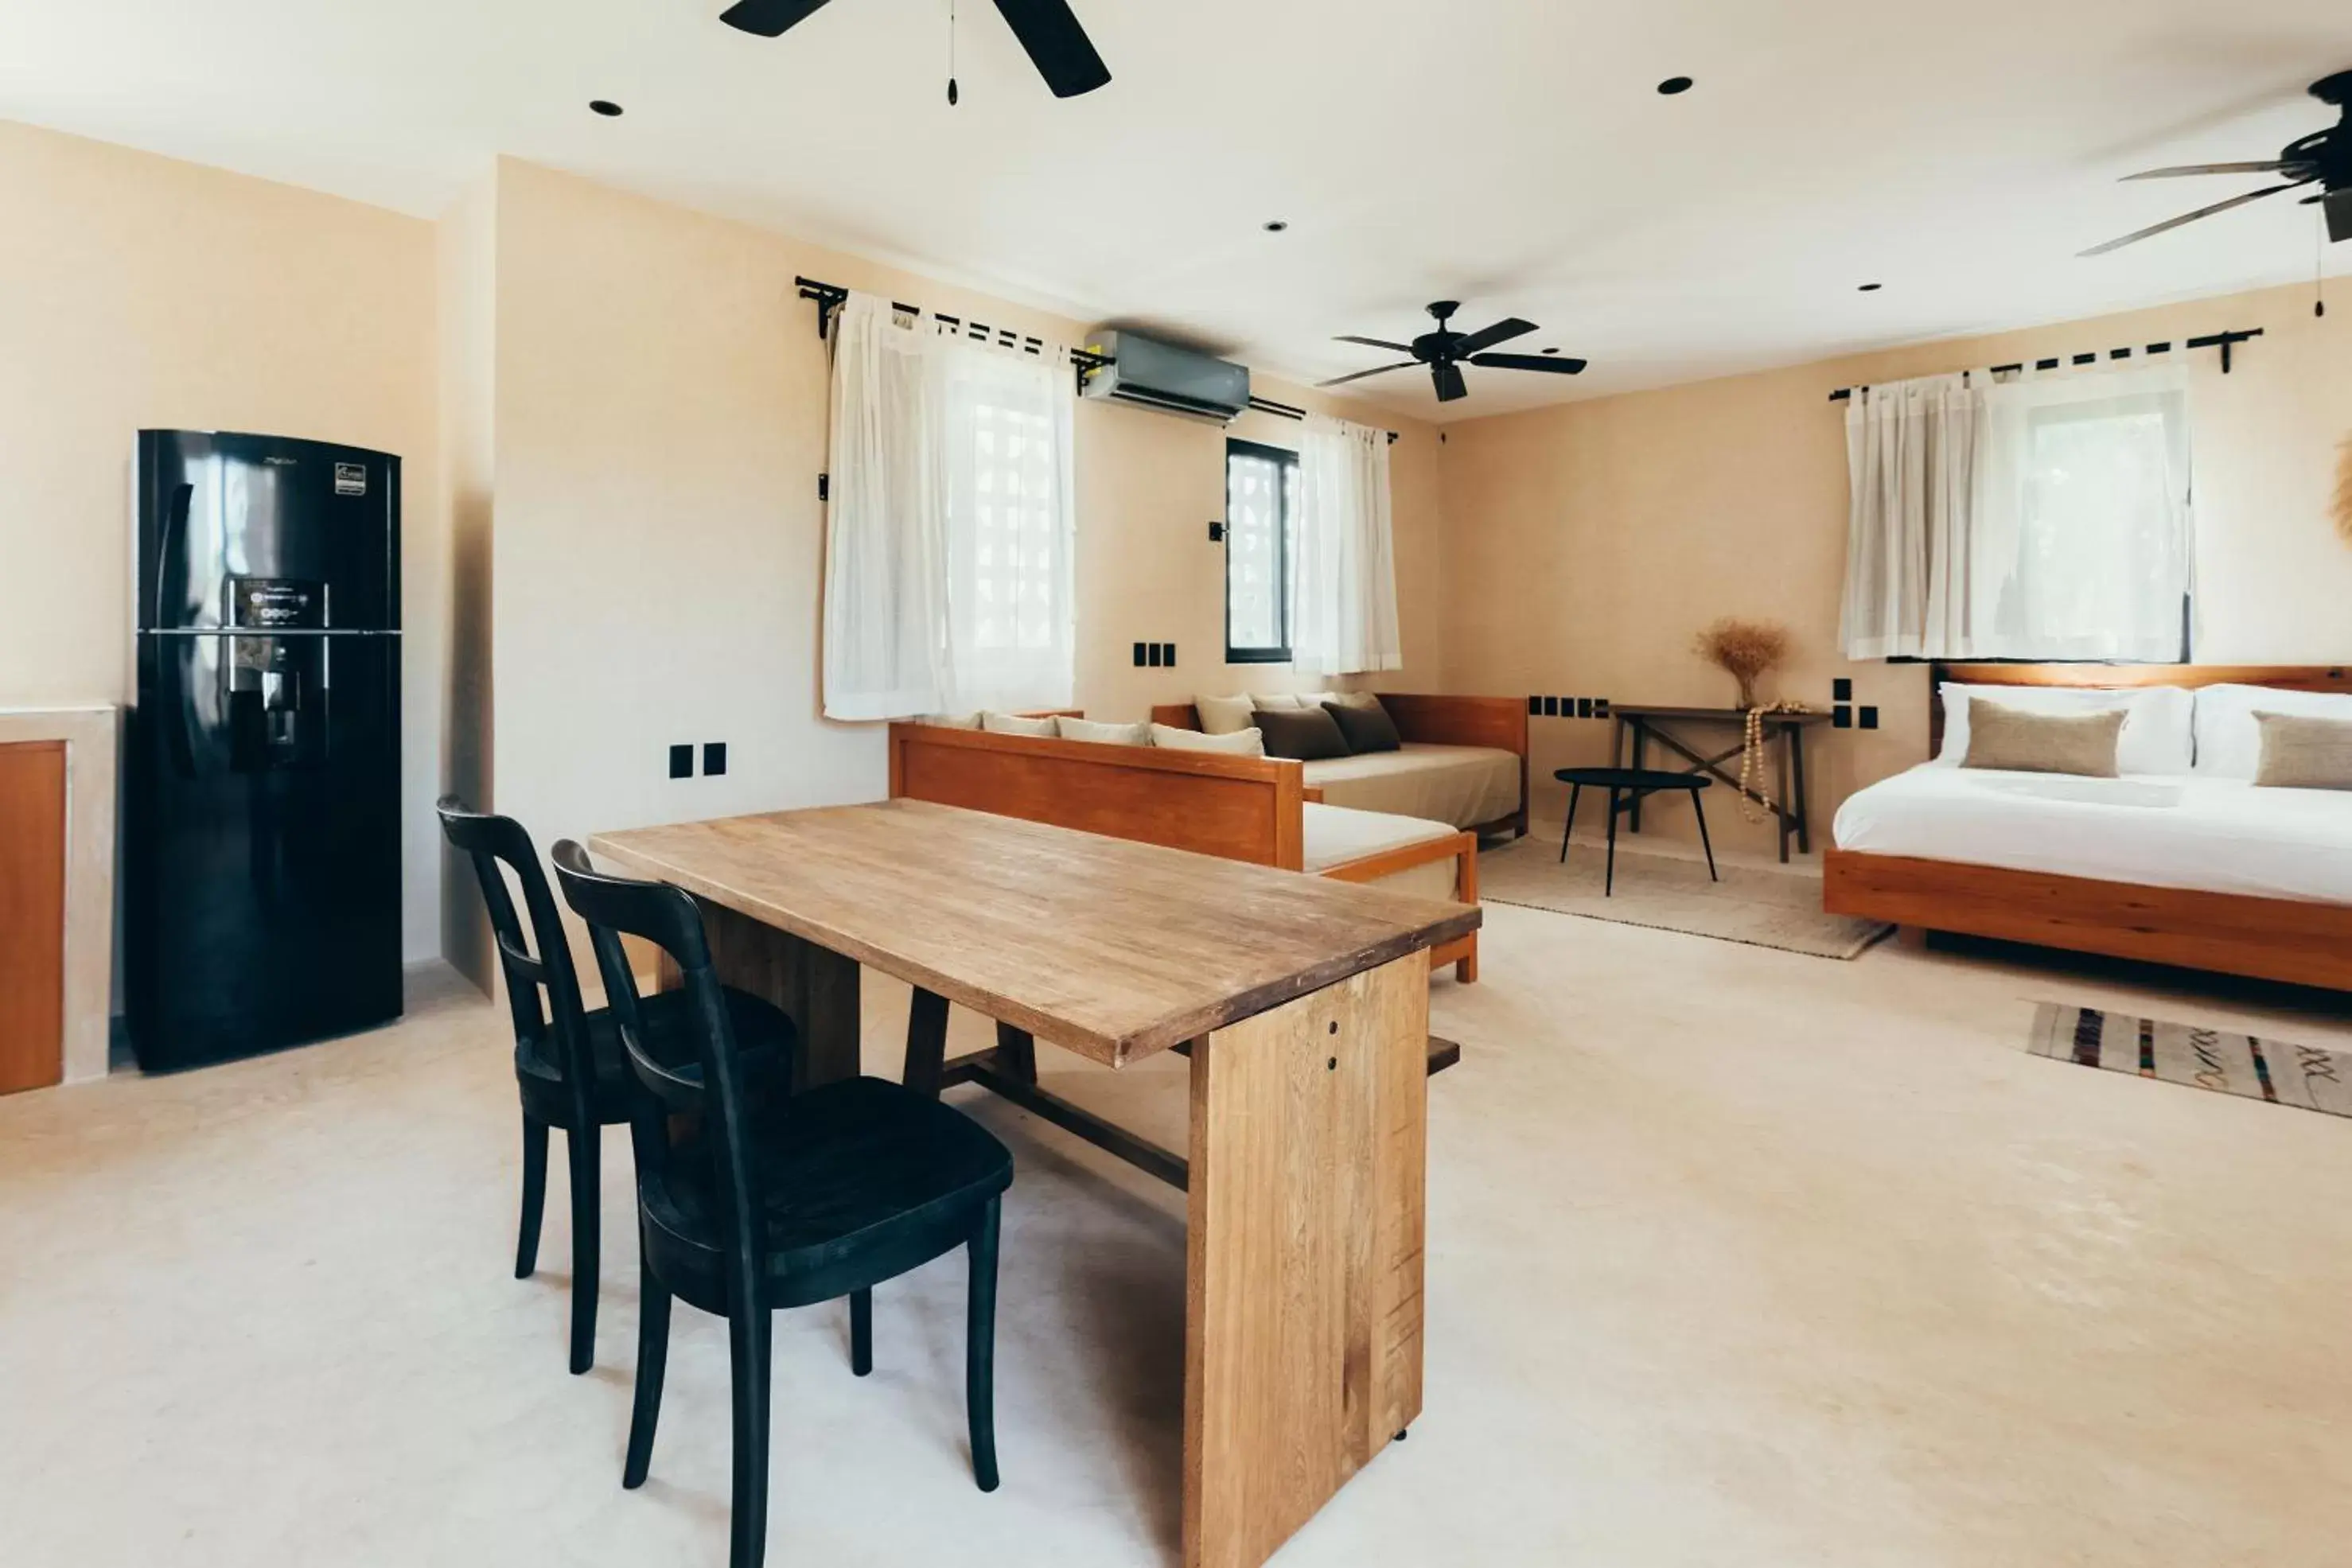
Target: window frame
<point x="1286" y="460"/>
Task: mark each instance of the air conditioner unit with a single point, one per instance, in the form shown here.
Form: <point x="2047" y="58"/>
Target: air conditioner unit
<point x="1161" y="375"/>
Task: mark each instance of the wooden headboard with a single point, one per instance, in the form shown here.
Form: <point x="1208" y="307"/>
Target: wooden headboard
<point x="1238" y="808"/>
<point x="2285" y="677"/>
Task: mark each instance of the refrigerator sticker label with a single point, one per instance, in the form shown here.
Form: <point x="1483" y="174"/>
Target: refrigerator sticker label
<point x="350" y="478"/>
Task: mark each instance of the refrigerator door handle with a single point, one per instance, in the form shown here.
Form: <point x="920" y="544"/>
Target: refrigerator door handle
<point x="175" y="520"/>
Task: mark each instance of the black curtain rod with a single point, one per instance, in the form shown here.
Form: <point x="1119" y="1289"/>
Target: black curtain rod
<point x="829" y="297"/>
<point x="2224" y="341"/>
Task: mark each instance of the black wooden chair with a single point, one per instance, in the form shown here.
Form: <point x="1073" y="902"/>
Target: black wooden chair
<point x="568" y="1062"/>
<point x="764" y="1202"/>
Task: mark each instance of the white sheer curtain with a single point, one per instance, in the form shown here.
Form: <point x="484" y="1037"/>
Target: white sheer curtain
<point x="2027" y="517"/>
<point x="948" y="544"/>
<point x="886" y="532"/>
<point x="1344" y="615"/>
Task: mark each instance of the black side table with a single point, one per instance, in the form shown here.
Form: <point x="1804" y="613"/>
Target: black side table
<point x="1626" y="787"/>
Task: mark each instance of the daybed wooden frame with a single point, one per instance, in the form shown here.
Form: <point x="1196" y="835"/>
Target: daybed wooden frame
<point x="1498" y="722"/>
<point x="1237" y="808"/>
<point x="2267" y="938"/>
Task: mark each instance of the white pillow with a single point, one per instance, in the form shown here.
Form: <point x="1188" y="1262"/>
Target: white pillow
<point x="2158" y="734"/>
<point x="949" y="720"/>
<point x="1240" y="743"/>
<point x="2228" y="741"/>
<point x="1279" y="702"/>
<point x="1105" y="734"/>
<point x="1224" y="716"/>
<point x="1014" y="724"/>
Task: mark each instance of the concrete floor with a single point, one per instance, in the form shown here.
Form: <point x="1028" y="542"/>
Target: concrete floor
<point x="1736" y="1258"/>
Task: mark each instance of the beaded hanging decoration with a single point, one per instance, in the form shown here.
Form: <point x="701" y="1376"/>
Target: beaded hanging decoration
<point x="1751" y="761"/>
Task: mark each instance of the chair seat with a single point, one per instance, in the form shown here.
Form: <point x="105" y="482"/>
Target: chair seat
<point x="860" y="1179"/>
<point x="763" y="1034"/>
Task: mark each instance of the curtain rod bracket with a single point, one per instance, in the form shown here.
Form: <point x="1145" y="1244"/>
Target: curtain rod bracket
<point x="2225" y="342"/>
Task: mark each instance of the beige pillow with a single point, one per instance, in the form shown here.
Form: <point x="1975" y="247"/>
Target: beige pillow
<point x="1224" y="716"/>
<point x="2304" y="753"/>
<point x="1014" y="724"/>
<point x="2021" y="742"/>
<point x="949" y="720"/>
<point x="1106" y="733"/>
<point x="1279" y="702"/>
<point x="1240" y="743"/>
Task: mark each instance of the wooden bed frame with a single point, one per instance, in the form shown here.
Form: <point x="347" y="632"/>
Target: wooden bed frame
<point x="1498" y="722"/>
<point x="1235" y="808"/>
<point x="2267" y="938"/>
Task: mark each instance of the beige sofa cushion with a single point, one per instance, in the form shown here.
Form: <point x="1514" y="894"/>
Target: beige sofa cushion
<point x="1014" y="724"/>
<point x="1224" y="716"/>
<point x="1464" y="785"/>
<point x="1105" y="734"/>
<point x="2012" y="740"/>
<point x="1334" y="835"/>
<point x="2305" y="753"/>
<point x="1241" y="743"/>
<point x="951" y="720"/>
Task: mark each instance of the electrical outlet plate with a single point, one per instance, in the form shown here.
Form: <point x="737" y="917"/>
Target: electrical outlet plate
<point x="681" y="761"/>
<point x="714" y="758"/>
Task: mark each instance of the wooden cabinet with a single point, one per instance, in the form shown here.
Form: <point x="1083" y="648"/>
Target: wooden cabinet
<point x="32" y="913"/>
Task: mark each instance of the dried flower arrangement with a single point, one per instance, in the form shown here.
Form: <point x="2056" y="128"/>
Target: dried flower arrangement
<point x="1745" y="650"/>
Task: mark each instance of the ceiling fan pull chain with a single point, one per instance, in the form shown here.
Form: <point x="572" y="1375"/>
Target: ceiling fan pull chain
<point x="952" y="94"/>
<point x="2319" y="267"/>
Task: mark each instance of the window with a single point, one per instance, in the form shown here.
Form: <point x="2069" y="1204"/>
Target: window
<point x="1261" y="501"/>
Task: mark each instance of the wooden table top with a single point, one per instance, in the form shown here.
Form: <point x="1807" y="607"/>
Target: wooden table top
<point x="1729" y="714"/>
<point x="1111" y="949"/>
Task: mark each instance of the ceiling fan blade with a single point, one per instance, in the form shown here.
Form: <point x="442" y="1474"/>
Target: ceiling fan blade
<point x="1558" y="365"/>
<point x="1448" y="377"/>
<point x="768" y="18"/>
<point x="1058" y="46"/>
<point x="1500" y="332"/>
<point x="2189" y="218"/>
<point x="2265" y="166"/>
<point x="1360" y="375"/>
<point x="1377" y="343"/>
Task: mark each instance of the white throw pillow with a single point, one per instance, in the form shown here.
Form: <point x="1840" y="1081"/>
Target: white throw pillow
<point x="2228" y="741"/>
<point x="949" y="720"/>
<point x="2158" y="734"/>
<point x="1014" y="724"/>
<point x="1240" y="743"/>
<point x="1106" y="733"/>
<point x="1224" y="716"/>
<point x="1286" y="702"/>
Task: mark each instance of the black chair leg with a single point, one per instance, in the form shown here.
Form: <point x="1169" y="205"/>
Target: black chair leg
<point x="1608" y="881"/>
<point x="1699" y="805"/>
<point x="753" y="1340"/>
<point x="653" y="1361"/>
<point x="861" y="1331"/>
<point x="534" y="1195"/>
<point x="1575" y="793"/>
<point x="586" y="1146"/>
<point x="979" y="1348"/>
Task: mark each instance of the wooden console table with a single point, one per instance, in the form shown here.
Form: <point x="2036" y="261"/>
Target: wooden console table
<point x="1784" y="744"/>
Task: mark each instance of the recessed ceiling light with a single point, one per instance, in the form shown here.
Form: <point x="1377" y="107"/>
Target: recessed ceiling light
<point x="605" y="106"/>
<point x="1276" y="225"/>
<point x="1869" y="289"/>
<point x="1673" y="85"/>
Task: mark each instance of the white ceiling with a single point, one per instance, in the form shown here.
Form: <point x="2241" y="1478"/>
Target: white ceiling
<point x="1510" y="154"/>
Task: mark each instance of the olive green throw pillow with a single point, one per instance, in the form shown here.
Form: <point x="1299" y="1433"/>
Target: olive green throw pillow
<point x="2303" y="752"/>
<point x="2014" y="740"/>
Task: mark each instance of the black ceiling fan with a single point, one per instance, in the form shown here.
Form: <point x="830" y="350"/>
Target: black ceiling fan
<point x="2323" y="158"/>
<point x="1446" y="352"/>
<point x="1049" y="29"/>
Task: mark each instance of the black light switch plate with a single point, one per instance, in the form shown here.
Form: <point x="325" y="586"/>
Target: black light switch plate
<point x="1535" y="706"/>
<point x="1869" y="718"/>
<point x="1551" y="708"/>
<point x="1168" y="655"/>
<point x="1842" y="717"/>
<point x="1138" y="655"/>
<point x="1151" y="653"/>
<point x="714" y="758"/>
<point x="1600" y="708"/>
<point x="1841" y="689"/>
<point x="1584" y="707"/>
<point x="681" y="762"/>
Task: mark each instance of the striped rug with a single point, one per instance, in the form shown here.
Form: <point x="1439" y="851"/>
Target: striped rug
<point x="2244" y="1064"/>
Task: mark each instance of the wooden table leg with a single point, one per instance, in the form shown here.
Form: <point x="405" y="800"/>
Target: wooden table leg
<point x="1783" y="803"/>
<point x="927" y="1042"/>
<point x="1641" y="760"/>
<point x="1796" y="801"/>
<point x="1303" y="1310"/>
<point x="814" y="986"/>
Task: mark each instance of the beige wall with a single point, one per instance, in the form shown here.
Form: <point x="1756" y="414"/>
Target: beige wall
<point x="1589" y="542"/>
<point x="657" y="543"/>
<point x="141" y="292"/>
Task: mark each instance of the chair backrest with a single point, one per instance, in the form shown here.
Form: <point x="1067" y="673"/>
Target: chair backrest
<point x="544" y="962"/>
<point x="664" y="915"/>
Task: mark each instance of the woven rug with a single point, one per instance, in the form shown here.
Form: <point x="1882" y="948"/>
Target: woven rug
<point x="1762" y="908"/>
<point x="2244" y="1064"/>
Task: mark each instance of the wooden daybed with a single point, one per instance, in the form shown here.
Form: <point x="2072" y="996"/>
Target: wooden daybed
<point x="2292" y="939"/>
<point x="1237" y="808"/>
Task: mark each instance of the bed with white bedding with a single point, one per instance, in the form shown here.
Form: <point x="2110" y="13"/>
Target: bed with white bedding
<point x="2182" y="860"/>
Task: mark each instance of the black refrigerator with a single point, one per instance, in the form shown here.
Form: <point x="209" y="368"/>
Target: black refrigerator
<point x="261" y="897"/>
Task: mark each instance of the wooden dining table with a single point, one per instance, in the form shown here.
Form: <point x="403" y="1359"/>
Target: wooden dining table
<point x="1304" y="1005"/>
